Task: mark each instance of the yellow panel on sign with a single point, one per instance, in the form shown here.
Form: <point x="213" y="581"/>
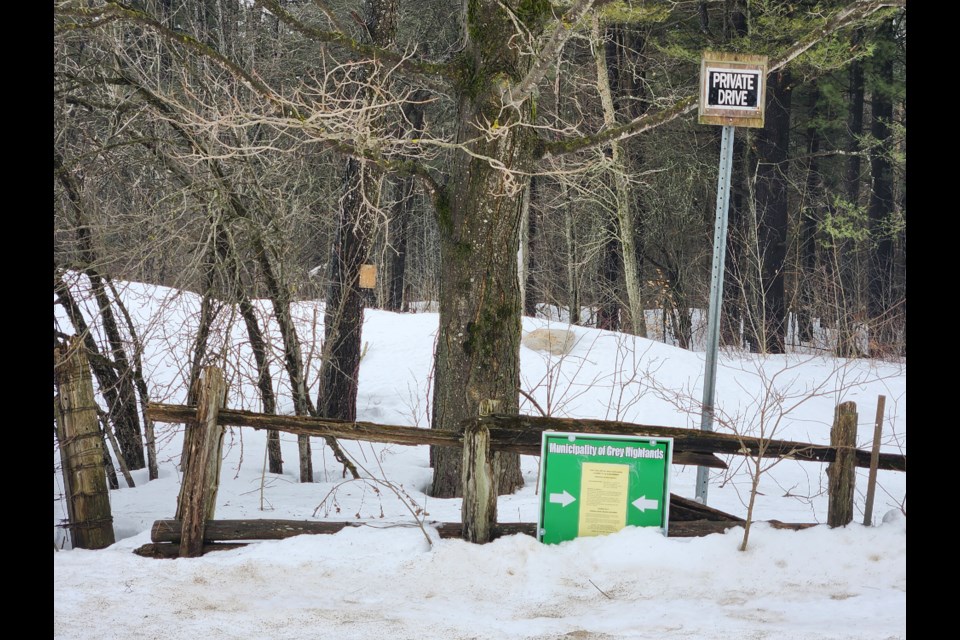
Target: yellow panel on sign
<point x="603" y="498"/>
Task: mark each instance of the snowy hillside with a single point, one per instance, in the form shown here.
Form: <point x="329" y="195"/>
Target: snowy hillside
<point x="384" y="578"/>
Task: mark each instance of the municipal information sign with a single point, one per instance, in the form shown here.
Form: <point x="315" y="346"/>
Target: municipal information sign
<point x="593" y="484"/>
<point x="732" y="89"/>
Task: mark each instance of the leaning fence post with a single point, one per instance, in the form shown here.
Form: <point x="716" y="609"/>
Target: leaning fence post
<point x="479" y="510"/>
<point x="874" y="462"/>
<point x="201" y="475"/>
<point x="81" y="450"/>
<point x="841" y="473"/>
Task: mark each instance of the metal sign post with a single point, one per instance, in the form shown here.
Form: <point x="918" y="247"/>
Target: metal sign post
<point x="732" y="94"/>
<point x="716" y="296"/>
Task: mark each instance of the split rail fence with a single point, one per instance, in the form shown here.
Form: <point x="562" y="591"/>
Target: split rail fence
<point x="195" y="531"/>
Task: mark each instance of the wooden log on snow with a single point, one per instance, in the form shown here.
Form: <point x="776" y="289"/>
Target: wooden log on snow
<point x="170" y="551"/>
<point x="166" y="533"/>
<point x="687" y="510"/>
<point x="219" y="530"/>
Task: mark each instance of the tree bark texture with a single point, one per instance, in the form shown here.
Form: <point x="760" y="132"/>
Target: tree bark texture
<point x="850" y="304"/>
<point x="616" y="83"/>
<point x="343" y="315"/>
<point x="881" y="206"/>
<point x="127" y="422"/>
<point x="201" y="476"/>
<point x="527" y="263"/>
<point x="478" y="346"/>
<point x="264" y="381"/>
<point x="81" y="450"/>
<point x="841" y="473"/>
<point x="107" y="380"/>
<point x="771" y="198"/>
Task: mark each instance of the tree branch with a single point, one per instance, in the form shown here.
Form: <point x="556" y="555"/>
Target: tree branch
<point x="116" y="10"/>
<point x="857" y="10"/>
<point x="341" y="39"/>
<point x="562" y="28"/>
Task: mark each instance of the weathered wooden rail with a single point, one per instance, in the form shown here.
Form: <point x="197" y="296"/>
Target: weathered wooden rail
<point x="687" y="519"/>
<point x="196" y="532"/>
<point x="522" y="434"/>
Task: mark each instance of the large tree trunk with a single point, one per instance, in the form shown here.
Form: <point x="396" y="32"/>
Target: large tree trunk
<point x="616" y="82"/>
<point x="880" y="210"/>
<point x="771" y="199"/>
<point x="124" y="412"/>
<point x="479" y="339"/>
<point x="478" y="345"/>
<point x="400" y="215"/>
<point x="343" y="317"/>
<point x="264" y="381"/>
<point x="809" y="221"/>
<point x="611" y="266"/>
<point x="848" y="302"/>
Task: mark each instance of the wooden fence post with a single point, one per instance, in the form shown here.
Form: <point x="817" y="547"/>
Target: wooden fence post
<point x="841" y="473"/>
<point x="874" y="462"/>
<point x="81" y="450"/>
<point x="479" y="510"/>
<point x="201" y="475"/>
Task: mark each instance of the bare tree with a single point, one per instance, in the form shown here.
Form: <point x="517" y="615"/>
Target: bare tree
<point x="474" y="163"/>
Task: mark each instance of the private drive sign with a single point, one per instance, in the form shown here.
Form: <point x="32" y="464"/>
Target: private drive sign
<point x="732" y="89"/>
<point x="593" y="484"/>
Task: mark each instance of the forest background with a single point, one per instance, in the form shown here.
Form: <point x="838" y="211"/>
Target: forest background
<point x="490" y="158"/>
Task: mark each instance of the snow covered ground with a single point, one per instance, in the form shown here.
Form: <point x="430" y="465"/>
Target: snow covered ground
<point x="391" y="576"/>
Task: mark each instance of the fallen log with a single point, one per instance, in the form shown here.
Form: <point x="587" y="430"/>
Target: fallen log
<point x="219" y="531"/>
<point x="169" y="550"/>
<point x="169" y="530"/>
<point x="687" y="510"/>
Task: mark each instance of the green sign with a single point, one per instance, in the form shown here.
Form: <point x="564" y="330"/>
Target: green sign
<point x="594" y="484"/>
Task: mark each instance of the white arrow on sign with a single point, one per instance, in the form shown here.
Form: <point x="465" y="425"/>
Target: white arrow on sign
<point x="643" y="504"/>
<point x="562" y="498"/>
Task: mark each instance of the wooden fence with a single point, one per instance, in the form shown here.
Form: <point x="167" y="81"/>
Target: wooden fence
<point x="195" y="532"/>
